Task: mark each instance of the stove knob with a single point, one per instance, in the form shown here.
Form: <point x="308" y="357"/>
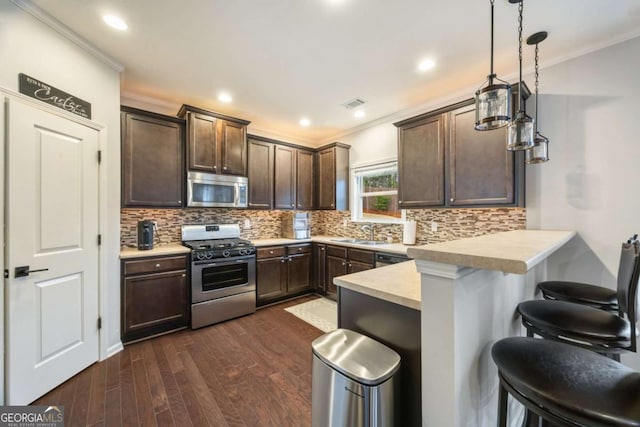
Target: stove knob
<point x="209" y="254"/>
<point x="242" y="251"/>
<point x="250" y="251"/>
<point x="226" y="253"/>
<point x="200" y="256"/>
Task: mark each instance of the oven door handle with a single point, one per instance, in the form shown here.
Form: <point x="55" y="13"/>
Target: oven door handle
<point x="225" y="262"/>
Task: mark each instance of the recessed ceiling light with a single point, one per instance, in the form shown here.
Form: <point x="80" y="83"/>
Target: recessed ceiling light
<point x="305" y="122"/>
<point x="224" y="97"/>
<point x="359" y="114"/>
<point x="426" y="64"/>
<point x="115" y="22"/>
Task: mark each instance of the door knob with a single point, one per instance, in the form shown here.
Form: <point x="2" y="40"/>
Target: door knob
<point x="24" y="271"/>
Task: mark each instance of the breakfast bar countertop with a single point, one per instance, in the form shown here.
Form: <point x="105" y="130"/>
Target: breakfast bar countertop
<point x="515" y="251"/>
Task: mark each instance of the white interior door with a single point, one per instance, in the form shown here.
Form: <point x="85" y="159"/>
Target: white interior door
<point x="52" y="226"/>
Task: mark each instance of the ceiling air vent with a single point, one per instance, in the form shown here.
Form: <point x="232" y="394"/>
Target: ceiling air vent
<point x="354" y="103"/>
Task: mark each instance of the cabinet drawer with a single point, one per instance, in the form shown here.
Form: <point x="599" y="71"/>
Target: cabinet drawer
<point x="299" y="249"/>
<point x="361" y="255"/>
<point x="337" y="251"/>
<point x="271" y="252"/>
<point x="154" y="265"/>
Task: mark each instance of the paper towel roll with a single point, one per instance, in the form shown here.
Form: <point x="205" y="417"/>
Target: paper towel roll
<point x="409" y="233"/>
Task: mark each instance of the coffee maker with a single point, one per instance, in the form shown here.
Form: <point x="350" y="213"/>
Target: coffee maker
<point x="145" y="235"/>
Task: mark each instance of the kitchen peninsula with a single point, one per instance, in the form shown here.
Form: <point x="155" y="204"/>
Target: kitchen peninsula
<point x="469" y="289"/>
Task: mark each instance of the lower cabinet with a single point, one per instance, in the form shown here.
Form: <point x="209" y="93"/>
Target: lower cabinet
<point x="154" y="296"/>
<point x="319" y="269"/>
<point x="341" y="260"/>
<point x="282" y="271"/>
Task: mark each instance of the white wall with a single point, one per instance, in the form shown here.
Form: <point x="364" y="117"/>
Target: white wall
<point x="28" y="46"/>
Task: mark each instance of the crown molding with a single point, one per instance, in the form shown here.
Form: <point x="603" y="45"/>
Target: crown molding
<point x="66" y="32"/>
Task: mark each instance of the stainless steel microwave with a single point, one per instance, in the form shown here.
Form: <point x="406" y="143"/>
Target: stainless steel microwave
<point x="216" y="191"/>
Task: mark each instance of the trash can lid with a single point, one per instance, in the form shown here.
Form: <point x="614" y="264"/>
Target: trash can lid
<point x="359" y="357"/>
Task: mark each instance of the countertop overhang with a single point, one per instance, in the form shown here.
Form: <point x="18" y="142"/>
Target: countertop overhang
<point x="515" y="251"/>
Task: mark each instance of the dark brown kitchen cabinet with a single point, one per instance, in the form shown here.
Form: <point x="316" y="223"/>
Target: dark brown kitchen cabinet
<point x="215" y="143"/>
<point x="260" y="174"/>
<point x="319" y="267"/>
<point x="333" y="177"/>
<point x="154" y="296"/>
<point x="284" y="177"/>
<point x="341" y="260"/>
<point x="480" y="168"/>
<point x="152" y="159"/>
<point x="304" y="179"/>
<point x="443" y="161"/>
<point x="282" y="272"/>
<point x="421" y="163"/>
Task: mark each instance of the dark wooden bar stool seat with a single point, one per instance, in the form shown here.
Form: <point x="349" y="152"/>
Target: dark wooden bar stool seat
<point x="589" y="327"/>
<point x="566" y="385"/>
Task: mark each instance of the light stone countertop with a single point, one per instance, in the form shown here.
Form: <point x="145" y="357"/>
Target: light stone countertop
<point x="397" y="283"/>
<point x="511" y="251"/>
<point x="173" y="249"/>
<point x="396" y="248"/>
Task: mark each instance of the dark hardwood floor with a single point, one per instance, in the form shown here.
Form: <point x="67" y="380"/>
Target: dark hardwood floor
<point x="251" y="371"/>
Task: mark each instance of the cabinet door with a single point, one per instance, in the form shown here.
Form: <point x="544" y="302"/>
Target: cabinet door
<point x="304" y="180"/>
<point x="327" y="179"/>
<point x="149" y="145"/>
<point x="319" y="267"/>
<point x="299" y="273"/>
<point x="284" y="177"/>
<point x="234" y="148"/>
<point x="154" y="303"/>
<point x="356" y="266"/>
<point x="335" y="267"/>
<point x="202" y="145"/>
<point x="270" y="279"/>
<point x="421" y="163"/>
<point x="481" y="169"/>
<point x="260" y="174"/>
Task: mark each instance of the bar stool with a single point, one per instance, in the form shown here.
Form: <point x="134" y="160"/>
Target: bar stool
<point x="582" y="293"/>
<point x="565" y="385"/>
<point x="589" y="327"/>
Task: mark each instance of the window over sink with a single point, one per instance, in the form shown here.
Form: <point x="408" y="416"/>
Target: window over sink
<point x="376" y="193"/>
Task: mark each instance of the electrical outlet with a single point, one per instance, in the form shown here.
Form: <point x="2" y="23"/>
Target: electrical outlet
<point x="247" y="223"/>
<point x="434" y="226"/>
<point x="345" y="223"/>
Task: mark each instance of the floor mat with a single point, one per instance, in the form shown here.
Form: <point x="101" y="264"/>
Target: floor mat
<point x="321" y="313"/>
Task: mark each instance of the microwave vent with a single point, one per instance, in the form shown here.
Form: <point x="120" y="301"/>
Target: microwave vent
<point x="354" y="103"/>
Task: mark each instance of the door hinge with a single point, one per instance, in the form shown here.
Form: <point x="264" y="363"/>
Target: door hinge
<point x="99" y="156"/>
<point x="99" y="239"/>
<point x="6" y="274"/>
<point x="99" y="322"/>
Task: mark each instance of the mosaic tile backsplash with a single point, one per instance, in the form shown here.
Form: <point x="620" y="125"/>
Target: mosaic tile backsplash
<point x="452" y="223"/>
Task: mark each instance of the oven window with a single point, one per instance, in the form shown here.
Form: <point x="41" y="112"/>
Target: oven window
<point x="208" y="193"/>
<point x="224" y="276"/>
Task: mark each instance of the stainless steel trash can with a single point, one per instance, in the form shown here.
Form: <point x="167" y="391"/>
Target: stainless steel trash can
<point x="353" y="381"/>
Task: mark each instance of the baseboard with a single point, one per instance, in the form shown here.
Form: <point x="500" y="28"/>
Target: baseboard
<point x="116" y="348"/>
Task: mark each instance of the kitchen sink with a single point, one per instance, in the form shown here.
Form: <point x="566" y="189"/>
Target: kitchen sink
<point x="359" y="241"/>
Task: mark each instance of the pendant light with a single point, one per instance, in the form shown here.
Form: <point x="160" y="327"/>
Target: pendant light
<point x="539" y="153"/>
<point x="493" y="101"/>
<point x="520" y="129"/>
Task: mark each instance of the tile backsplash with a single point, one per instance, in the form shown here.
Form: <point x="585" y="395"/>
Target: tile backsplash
<point x="451" y="223"/>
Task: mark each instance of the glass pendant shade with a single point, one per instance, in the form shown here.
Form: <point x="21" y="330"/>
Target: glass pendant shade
<point x="539" y="153"/>
<point x="520" y="132"/>
<point x="493" y="106"/>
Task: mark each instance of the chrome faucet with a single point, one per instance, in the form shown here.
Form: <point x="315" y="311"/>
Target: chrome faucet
<point x="371" y="229"/>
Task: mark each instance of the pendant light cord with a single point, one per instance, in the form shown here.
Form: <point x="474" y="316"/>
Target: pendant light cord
<point x="491" y="75"/>
<point x="520" y="7"/>
<point x="537" y="74"/>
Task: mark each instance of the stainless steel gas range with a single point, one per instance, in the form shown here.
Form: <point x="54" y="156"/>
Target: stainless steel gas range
<point x="223" y="273"/>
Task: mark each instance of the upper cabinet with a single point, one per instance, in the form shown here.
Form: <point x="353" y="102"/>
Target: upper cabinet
<point x="152" y="159"/>
<point x="215" y="143"/>
<point x="444" y="162"/>
<point x="280" y="175"/>
<point x="332" y="180"/>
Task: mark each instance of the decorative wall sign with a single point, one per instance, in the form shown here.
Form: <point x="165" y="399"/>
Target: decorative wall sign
<point x="51" y="95"/>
